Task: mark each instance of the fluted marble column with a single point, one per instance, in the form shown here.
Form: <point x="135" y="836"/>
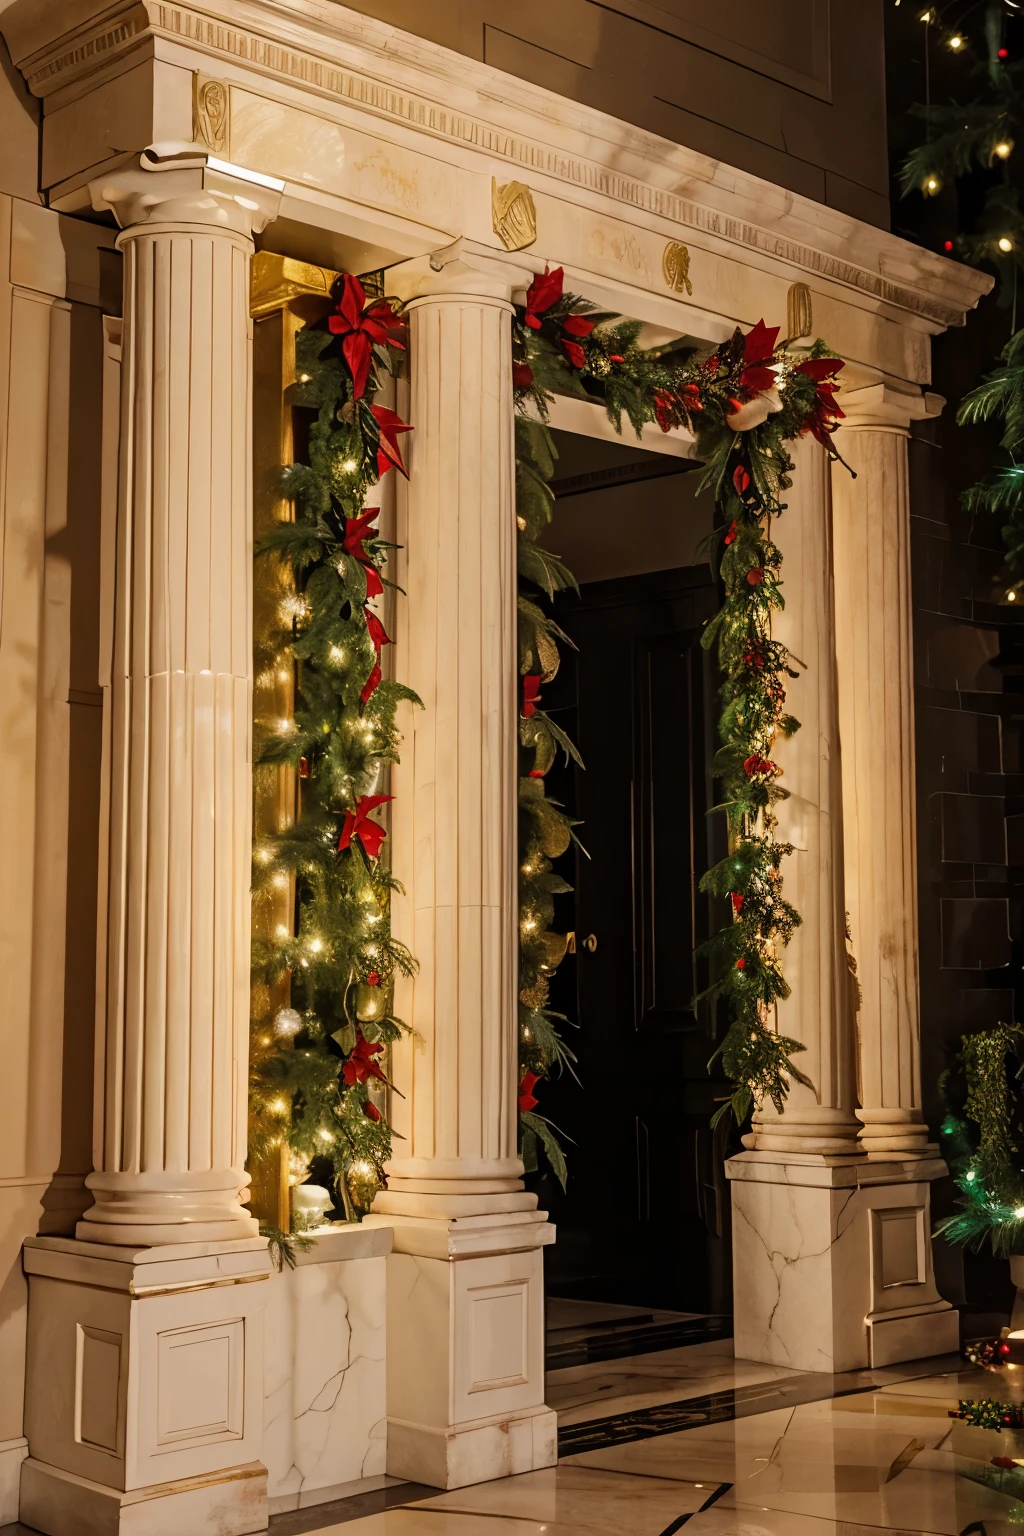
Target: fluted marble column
<point x="818" y="1012"/>
<point x="171" y="1092"/>
<point x="465" y="1280"/>
<point x="876" y="719"/>
<point x="454" y="816"/>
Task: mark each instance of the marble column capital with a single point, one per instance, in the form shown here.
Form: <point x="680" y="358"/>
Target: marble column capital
<point x="181" y="185"/>
<point x="884" y="408"/>
<point x="462" y="270"/>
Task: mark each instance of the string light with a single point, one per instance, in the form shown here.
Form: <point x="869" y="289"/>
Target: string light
<point x="336" y="654"/>
<point x="1011" y="596"/>
<point x="956" y="42"/>
<point x="316" y="945"/>
<point x="282" y="931"/>
<point x="304" y="378"/>
<point x="932" y="184"/>
<point x="350" y="466"/>
<point x="1003" y="149"/>
<point x="280" y="880"/>
<point x="1005" y="243"/>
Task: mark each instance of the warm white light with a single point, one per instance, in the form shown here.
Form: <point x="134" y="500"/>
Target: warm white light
<point x="287" y="1022"/>
<point x="304" y="378"/>
<point x="243" y="173"/>
<point x="1003" y="149"/>
<point x="264" y="855"/>
<point x="363" y="1168"/>
<point x="1005" y="243"/>
<point x="1011" y="596"/>
<point x="284" y="726"/>
<point x="529" y="925"/>
<point x="350" y="466"/>
<point x="279" y="1107"/>
<point x="325" y="1135"/>
<point x="932" y="184"/>
<point x="336" y="653"/>
<point x="956" y="42"/>
<point x="971" y="1177"/>
<point x="1019" y="1212"/>
<point x="281" y="931"/>
<point x="280" y="880"/>
<point x="316" y="945"/>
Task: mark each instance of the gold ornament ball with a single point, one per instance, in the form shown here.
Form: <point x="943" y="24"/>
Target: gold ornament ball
<point x="362" y="1184"/>
<point x="371" y="1003"/>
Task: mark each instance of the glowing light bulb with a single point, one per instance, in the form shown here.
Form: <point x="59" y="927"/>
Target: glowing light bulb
<point x="284" y="726"/>
<point x="316" y="945"/>
<point x="325" y="1135"/>
<point x="932" y="184"/>
<point x="1019" y="1212"/>
<point x="350" y="466"/>
<point x="282" y="931"/>
<point x="1003" y="149"/>
<point x="264" y="855"/>
<point x="363" y="1167"/>
<point x="283" y="676"/>
<point x="971" y="1176"/>
<point x="529" y="925"/>
<point x="279" y="1107"/>
<point x="280" y="880"/>
<point x="304" y="378"/>
<point x="956" y="42"/>
<point x="1005" y="243"/>
<point x="1011" y="596"/>
<point x="336" y="654"/>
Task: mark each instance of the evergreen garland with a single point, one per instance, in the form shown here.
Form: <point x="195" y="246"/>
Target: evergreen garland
<point x="317" y="1084"/>
<point x="982" y="1136"/>
<point x="743" y="401"/>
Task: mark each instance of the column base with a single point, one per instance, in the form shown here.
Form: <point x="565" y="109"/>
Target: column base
<point x="466" y="1346"/>
<point x="228" y="1503"/>
<point x="832" y="1261"/>
<point x="473" y="1453"/>
<point x="12" y="1454"/>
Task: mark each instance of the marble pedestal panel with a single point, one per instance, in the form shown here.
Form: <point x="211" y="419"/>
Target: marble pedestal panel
<point x="144" y="1396"/>
<point x="465" y="1303"/>
<point x="832" y="1261"/>
<point x="325" y="1425"/>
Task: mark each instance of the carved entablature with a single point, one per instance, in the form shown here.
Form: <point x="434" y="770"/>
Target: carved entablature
<point x="436" y="145"/>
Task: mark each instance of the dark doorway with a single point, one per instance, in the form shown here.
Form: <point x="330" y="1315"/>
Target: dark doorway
<point x="643" y="1224"/>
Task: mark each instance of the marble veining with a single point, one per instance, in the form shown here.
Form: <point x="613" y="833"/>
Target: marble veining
<point x="324" y="1401"/>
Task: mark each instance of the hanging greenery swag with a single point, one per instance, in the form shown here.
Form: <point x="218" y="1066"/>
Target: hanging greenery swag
<point x="316" y="1080"/>
<point x="744" y="401"/>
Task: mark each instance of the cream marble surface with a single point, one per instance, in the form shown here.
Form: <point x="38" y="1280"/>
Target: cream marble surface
<point x="324" y="1407"/>
<point x="581" y="1393"/>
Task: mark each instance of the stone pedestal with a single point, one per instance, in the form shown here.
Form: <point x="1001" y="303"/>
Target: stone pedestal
<point x="833" y="1265"/>
<point x="465" y="1282"/>
<point x="145" y="1389"/>
<point x="145" y="1367"/>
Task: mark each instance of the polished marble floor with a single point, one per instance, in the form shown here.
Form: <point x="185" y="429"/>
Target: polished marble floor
<point x="693" y="1440"/>
<point x="765" y="1453"/>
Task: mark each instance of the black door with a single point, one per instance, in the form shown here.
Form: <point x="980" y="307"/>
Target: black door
<point x="643" y="1220"/>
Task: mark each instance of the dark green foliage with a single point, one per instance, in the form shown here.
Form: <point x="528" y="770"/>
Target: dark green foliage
<point x="982" y="1139"/>
<point x="340" y="744"/>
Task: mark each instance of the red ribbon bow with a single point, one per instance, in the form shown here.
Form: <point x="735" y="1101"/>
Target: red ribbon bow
<point x="531" y="695"/>
<point x="358" y="824"/>
<point x="360" y="324"/>
<point x="526" y="1087"/>
<point x="361" y="1065"/>
<point x="357" y="531"/>
<point x="389" y="427"/>
<point x="378" y="639"/>
<point x="545" y="290"/>
<point x="755" y="763"/>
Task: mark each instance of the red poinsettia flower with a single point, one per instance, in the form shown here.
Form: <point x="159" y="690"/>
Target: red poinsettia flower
<point x="361" y="1065"/>
<point x="824" y="414"/>
<point x="526" y="1087"/>
<point x="690" y="395"/>
<point x="389" y="425"/>
<point x="574" y="352"/>
<point x="758" y="351"/>
<point x="755" y="763"/>
<point x="578" y="325"/>
<point x="371" y="1111"/>
<point x="531" y="696"/>
<point x="741" y="964"/>
<point x="358" y="824"/>
<point x="360" y="324"/>
<point x="737" y="902"/>
<point x="357" y="531"/>
<point x="545" y="290"/>
<point x="522" y="375"/>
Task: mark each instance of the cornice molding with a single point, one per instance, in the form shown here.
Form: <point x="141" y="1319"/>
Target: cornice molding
<point x="311" y="44"/>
